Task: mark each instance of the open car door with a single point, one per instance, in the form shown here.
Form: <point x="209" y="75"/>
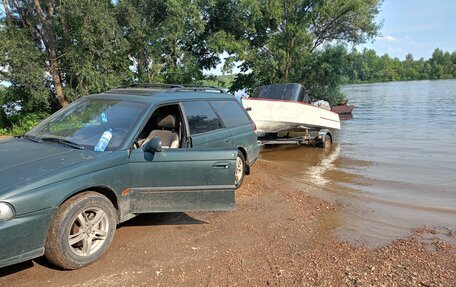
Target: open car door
<point x="177" y="180"/>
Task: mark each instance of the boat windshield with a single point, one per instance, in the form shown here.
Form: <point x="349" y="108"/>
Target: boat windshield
<point x="288" y="92"/>
<point x="83" y="123"/>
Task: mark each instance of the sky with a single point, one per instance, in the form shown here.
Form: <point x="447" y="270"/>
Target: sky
<point x="416" y="27"/>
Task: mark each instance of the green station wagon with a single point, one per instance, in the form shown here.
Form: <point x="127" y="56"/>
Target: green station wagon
<point x="106" y="158"/>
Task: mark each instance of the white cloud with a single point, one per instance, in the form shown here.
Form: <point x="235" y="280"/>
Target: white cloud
<point x="388" y="38"/>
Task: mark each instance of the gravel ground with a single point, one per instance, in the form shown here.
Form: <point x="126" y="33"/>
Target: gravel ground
<point x="277" y="236"/>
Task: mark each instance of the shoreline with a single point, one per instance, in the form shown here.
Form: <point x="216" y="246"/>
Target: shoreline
<point x="277" y="236"/>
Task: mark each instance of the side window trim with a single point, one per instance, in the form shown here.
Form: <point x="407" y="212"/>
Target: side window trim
<point x="145" y="120"/>
<point x="187" y="126"/>
<point x="217" y="113"/>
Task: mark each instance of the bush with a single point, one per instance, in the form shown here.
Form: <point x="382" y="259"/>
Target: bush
<point x="20" y="124"/>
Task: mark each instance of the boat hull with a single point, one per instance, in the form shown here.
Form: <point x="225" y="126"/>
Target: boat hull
<point x="342" y="109"/>
<point x="273" y="116"/>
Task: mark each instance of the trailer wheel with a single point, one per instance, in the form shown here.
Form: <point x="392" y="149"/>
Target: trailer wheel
<point x="325" y="142"/>
<point x="326" y="145"/>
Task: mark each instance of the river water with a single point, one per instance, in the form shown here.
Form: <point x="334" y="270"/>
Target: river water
<point x="393" y="166"/>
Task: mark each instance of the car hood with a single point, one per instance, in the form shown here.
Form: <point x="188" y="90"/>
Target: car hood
<point x="24" y="162"/>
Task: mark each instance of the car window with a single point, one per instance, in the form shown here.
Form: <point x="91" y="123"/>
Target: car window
<point x="170" y="132"/>
<point x="232" y="114"/>
<point x="201" y="117"/>
<point x="85" y="121"/>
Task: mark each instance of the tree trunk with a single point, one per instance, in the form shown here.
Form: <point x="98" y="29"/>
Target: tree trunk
<point x="290" y="40"/>
<point x="7" y="12"/>
<point x="289" y="58"/>
<point x="4" y="122"/>
<point x="142" y="66"/>
<point x="54" y="70"/>
<point x="50" y="42"/>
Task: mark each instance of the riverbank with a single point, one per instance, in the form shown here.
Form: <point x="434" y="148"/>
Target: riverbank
<point x="277" y="236"/>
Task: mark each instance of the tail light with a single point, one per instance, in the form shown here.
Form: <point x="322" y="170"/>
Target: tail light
<point x="254" y="126"/>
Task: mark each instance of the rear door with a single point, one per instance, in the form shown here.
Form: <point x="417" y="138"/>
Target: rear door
<point x="241" y="127"/>
<point x="176" y="180"/>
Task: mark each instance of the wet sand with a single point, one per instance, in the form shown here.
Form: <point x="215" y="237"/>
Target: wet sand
<point x="279" y="235"/>
<point x="368" y="218"/>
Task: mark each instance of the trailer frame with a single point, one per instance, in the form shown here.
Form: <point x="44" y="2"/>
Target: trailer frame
<point x="323" y="139"/>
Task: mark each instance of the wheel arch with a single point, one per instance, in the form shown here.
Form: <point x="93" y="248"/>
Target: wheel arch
<point x="54" y="246"/>
<point x="103" y="190"/>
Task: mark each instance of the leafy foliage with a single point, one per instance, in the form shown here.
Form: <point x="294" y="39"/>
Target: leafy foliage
<point x="289" y="39"/>
<point x="161" y="34"/>
<point x="20" y="124"/>
<point x="55" y="52"/>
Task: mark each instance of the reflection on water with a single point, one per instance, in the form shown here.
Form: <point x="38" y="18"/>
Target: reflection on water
<point x="393" y="165"/>
<point x="317" y="173"/>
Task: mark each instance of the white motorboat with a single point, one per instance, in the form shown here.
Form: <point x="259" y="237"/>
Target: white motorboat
<point x="286" y="107"/>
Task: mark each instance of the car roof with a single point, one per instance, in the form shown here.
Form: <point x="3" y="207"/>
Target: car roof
<point x="155" y="93"/>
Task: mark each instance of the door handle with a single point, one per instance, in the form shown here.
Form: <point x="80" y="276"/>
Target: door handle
<point x="221" y="165"/>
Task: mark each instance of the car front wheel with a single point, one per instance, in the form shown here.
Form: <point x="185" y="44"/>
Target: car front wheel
<point x="81" y="231"/>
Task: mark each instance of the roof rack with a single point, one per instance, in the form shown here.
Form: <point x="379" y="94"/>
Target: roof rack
<point x="196" y="88"/>
<point x="151" y="85"/>
<point x="175" y="87"/>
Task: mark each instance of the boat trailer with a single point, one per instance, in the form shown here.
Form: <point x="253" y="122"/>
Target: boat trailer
<point x="322" y="139"/>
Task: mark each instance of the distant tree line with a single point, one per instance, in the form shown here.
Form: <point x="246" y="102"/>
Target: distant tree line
<point x="367" y="66"/>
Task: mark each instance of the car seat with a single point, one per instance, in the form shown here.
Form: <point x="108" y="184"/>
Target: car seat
<point x="166" y="133"/>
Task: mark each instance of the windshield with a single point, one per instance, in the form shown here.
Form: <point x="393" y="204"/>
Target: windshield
<point x="85" y="122"/>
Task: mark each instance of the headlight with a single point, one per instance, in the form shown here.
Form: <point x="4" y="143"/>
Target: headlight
<point x="6" y="211"/>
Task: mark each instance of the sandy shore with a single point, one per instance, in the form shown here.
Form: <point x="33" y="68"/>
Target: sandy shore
<point x="278" y="236"/>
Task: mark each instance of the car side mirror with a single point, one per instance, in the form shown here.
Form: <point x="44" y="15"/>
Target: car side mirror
<point x="153" y="145"/>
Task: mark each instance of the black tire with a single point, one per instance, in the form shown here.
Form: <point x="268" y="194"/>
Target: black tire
<point x="326" y="145"/>
<point x="240" y="170"/>
<point x="97" y="214"/>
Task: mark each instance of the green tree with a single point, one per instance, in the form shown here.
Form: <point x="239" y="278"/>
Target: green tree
<point x="367" y="66"/>
<point x="4" y="122"/>
<point x="453" y="66"/>
<point x="161" y="34"/>
<point x="93" y="52"/>
<point x="409" y="68"/>
<point x="284" y="36"/>
<point x="55" y="51"/>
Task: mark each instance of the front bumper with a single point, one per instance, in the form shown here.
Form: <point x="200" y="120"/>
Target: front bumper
<point x="23" y="237"/>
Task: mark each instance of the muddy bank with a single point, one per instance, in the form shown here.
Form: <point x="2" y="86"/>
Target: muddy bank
<point x="278" y="236"/>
